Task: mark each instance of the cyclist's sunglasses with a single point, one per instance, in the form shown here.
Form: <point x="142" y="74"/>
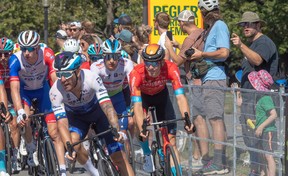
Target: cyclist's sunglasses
<point x="114" y="56"/>
<point x="30" y="49"/>
<point x="65" y="74"/>
<point x="153" y="64"/>
<point x="95" y="57"/>
<point x="5" y="53"/>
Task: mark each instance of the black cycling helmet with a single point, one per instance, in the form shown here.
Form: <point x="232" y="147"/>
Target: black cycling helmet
<point x="67" y="61"/>
<point x="153" y="53"/>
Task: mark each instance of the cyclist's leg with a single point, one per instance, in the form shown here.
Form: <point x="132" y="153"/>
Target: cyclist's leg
<point x="115" y="149"/>
<point x="2" y="151"/>
<point x="50" y="119"/>
<point x="79" y="128"/>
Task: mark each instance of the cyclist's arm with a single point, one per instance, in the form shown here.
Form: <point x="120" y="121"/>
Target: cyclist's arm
<point x="3" y="94"/>
<point x="183" y="104"/>
<point x="14" y="67"/>
<point x="48" y="59"/>
<point x="104" y="101"/>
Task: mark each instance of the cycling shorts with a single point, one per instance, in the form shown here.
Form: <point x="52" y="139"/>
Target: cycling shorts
<point x="43" y="101"/>
<point x="164" y="108"/>
<point x="120" y="108"/>
<point x="80" y="123"/>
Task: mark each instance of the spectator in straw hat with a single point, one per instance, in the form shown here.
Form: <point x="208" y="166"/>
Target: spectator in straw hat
<point x="266" y="115"/>
<point x="261" y="54"/>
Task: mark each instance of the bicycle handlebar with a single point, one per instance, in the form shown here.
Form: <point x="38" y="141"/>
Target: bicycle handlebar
<point x="123" y="116"/>
<point x="166" y="122"/>
<point x="111" y="129"/>
<point x="40" y="114"/>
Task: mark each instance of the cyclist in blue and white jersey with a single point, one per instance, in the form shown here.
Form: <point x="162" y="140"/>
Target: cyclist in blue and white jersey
<point x="80" y="98"/>
<point x="30" y="69"/>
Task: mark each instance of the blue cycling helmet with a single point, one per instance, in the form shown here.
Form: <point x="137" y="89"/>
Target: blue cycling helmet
<point x="67" y="61"/>
<point x="111" y="46"/>
<point x="6" y="44"/>
<point x="95" y="49"/>
<point x="124" y="54"/>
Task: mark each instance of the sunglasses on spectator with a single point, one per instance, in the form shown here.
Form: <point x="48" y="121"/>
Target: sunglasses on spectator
<point x="30" y="49"/>
<point x="74" y="29"/>
<point x="95" y="57"/>
<point x="153" y="64"/>
<point x="247" y="24"/>
<point x="5" y="53"/>
<point x="65" y="74"/>
<point x="114" y="56"/>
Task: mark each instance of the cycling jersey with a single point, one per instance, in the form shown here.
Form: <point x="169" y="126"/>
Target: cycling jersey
<point x="4" y="75"/>
<point x="140" y="81"/>
<point x="113" y="80"/>
<point x="31" y="77"/>
<point x="92" y="91"/>
<point x="34" y="79"/>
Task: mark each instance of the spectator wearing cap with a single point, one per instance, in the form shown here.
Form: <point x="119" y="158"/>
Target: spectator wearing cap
<point x="261" y="54"/>
<point x="124" y="22"/>
<point x="61" y="37"/>
<point x="76" y="30"/>
<point x="125" y="38"/>
<point x="186" y="20"/>
<point x="266" y="115"/>
<point x="161" y="24"/>
<point x="216" y="50"/>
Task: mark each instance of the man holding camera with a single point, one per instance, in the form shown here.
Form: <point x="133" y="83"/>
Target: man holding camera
<point x="194" y="39"/>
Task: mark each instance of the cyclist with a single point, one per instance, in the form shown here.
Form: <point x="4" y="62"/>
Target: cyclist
<point x="6" y="49"/>
<point x="79" y="96"/>
<point x="148" y="88"/>
<point x="29" y="69"/>
<point x="113" y="70"/>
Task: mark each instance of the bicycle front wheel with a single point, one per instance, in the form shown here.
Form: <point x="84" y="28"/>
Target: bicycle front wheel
<point x="171" y="161"/>
<point x="52" y="165"/>
<point x="129" y="150"/>
<point x="107" y="168"/>
<point x="8" y="149"/>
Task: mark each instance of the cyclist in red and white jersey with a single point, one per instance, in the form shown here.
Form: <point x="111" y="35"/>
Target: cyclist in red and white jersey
<point x="30" y="69"/>
<point x="148" y="88"/>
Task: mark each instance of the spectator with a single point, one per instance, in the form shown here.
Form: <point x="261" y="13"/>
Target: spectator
<point x="61" y="37"/>
<point x="216" y="50"/>
<point x="261" y="54"/>
<point x="125" y="38"/>
<point x="194" y="39"/>
<point x="141" y="38"/>
<point x="89" y="28"/>
<point x="266" y="115"/>
<point x="124" y="22"/>
<point x="85" y="41"/>
<point x="161" y="24"/>
<point x="76" y="30"/>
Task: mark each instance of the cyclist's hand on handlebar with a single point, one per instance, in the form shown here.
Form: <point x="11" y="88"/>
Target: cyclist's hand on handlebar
<point x="71" y="158"/>
<point x="190" y="129"/>
<point x="20" y="119"/>
<point x="8" y="117"/>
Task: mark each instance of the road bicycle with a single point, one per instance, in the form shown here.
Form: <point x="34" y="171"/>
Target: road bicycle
<point x="164" y="156"/>
<point x="8" y="141"/>
<point x="101" y="158"/>
<point x="47" y="157"/>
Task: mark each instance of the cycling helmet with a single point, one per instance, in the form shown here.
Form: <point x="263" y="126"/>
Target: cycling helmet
<point x="71" y="45"/>
<point x="124" y="54"/>
<point x="67" y="61"/>
<point x="6" y="44"/>
<point x="43" y="45"/>
<point x="28" y="39"/>
<point x="208" y="4"/>
<point x="95" y="49"/>
<point x="153" y="52"/>
<point x="111" y="46"/>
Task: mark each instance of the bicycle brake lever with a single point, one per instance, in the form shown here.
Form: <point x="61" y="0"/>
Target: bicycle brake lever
<point x="144" y="127"/>
<point x="69" y="148"/>
<point x="114" y="132"/>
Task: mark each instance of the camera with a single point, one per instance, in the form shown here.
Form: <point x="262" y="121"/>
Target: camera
<point x="189" y="52"/>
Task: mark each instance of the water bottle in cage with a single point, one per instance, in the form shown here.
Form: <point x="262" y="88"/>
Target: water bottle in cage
<point x="161" y="154"/>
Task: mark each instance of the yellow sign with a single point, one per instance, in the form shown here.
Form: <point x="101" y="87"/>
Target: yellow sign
<point x="173" y="8"/>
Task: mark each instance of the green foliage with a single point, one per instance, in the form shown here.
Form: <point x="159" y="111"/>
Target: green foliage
<point x="18" y="15"/>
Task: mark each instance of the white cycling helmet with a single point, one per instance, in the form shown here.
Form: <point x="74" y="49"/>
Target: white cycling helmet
<point x="208" y="4"/>
<point x="28" y="38"/>
<point x="111" y="46"/>
<point x="71" y="45"/>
